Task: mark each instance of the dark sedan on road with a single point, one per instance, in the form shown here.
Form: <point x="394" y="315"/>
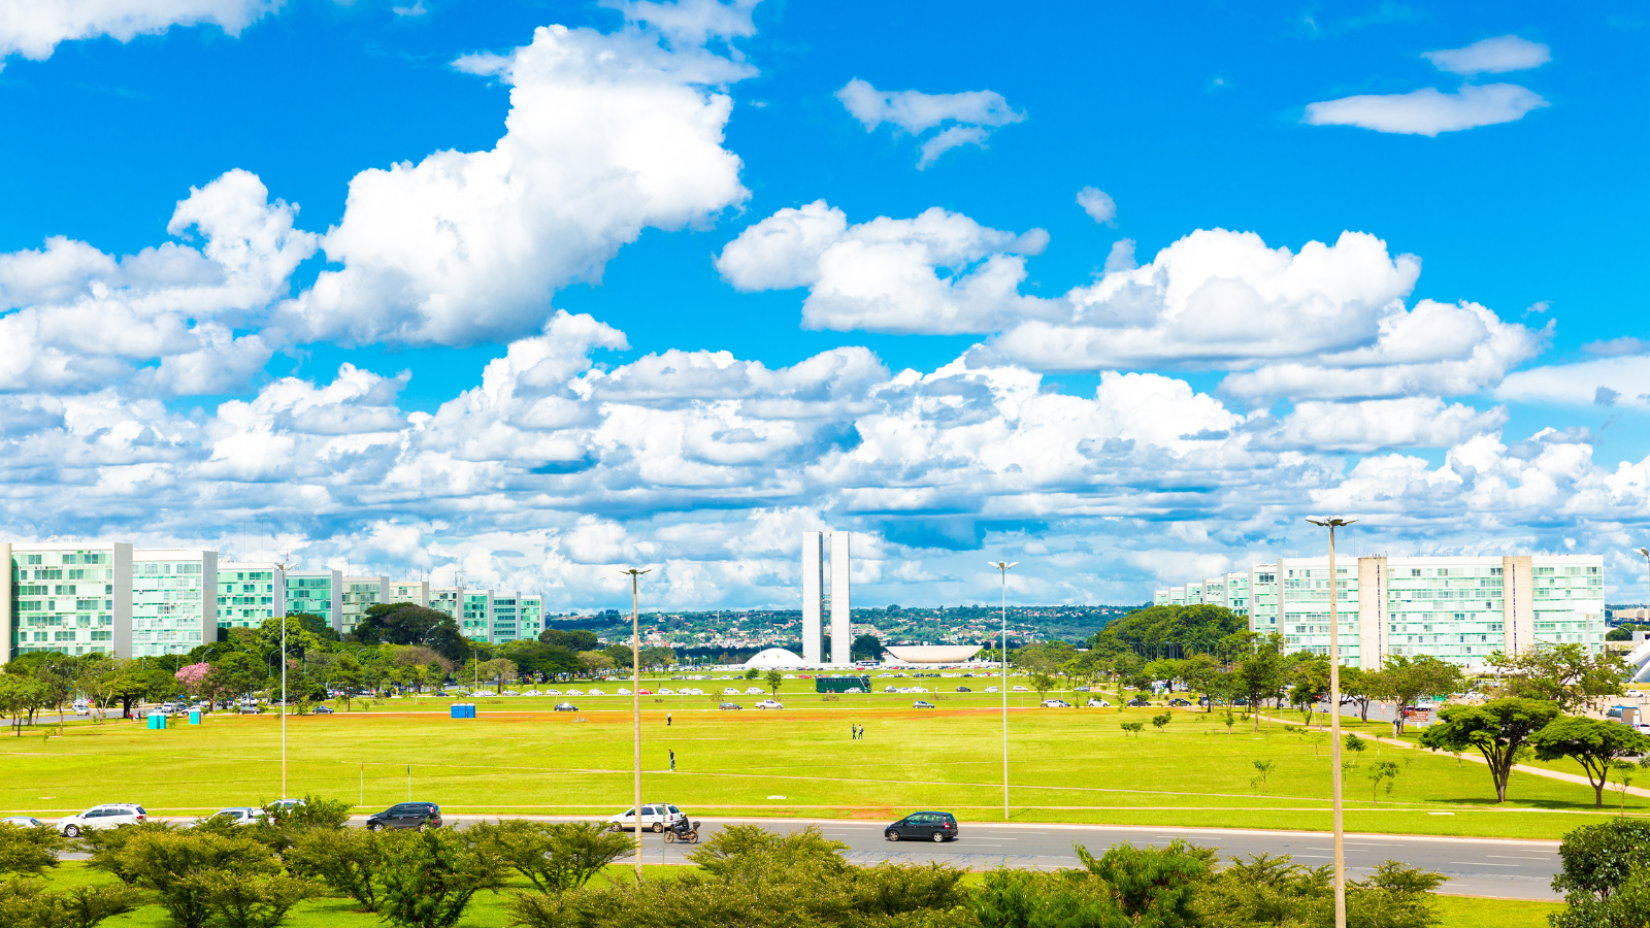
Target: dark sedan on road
<point x="566" y="707"/>
<point x="732" y="705"/>
<point x="923" y="826"/>
<point x="414" y="815"/>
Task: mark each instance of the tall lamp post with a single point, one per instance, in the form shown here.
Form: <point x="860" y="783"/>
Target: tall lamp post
<point x="636" y="700"/>
<point x="1335" y="720"/>
<point x="1004" y="567"/>
<point x="284" y="567"/>
<point x="1645" y="553"/>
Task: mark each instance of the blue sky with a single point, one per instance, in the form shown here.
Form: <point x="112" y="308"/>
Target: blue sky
<point x="694" y="246"/>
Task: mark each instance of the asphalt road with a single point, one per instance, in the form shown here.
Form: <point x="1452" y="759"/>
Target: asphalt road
<point x="1475" y="866"/>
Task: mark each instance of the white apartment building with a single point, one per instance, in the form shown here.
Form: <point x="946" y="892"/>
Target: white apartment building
<point x="174" y="602"/>
<point x="416" y="592"/>
<point x="1459" y="609"/>
<point x="359" y="594"/>
<point x="249" y="593"/>
<point x="75" y="598"/>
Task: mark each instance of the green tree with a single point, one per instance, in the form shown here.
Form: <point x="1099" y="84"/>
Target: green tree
<point x="346" y="860"/>
<point x="1603" y="875"/>
<point x="430" y="877"/>
<point x="1356" y="745"/>
<point x="1263" y="769"/>
<point x="27" y="904"/>
<point x="1497" y="729"/>
<point x="1381" y="770"/>
<point x="1404" y="679"/>
<point x="1132" y="728"/>
<point x="1200" y="673"/>
<point x="1595" y="744"/>
<point x="554" y="856"/>
<point x="574" y="640"/>
<point x="1154" y="626"/>
<point x="1309" y="684"/>
<point x="1565" y="674"/>
<point x="1042" y="683"/>
<point x="866" y="648"/>
<point x="405" y="623"/>
<point x="170" y="864"/>
<point x="774" y="678"/>
<point x="251" y="900"/>
<point x="1259" y="675"/>
<point x="752" y="673"/>
<point x="29" y="851"/>
<point x="1159" y="721"/>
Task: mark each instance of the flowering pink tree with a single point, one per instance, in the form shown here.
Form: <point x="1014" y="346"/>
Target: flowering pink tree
<point x="193" y="677"/>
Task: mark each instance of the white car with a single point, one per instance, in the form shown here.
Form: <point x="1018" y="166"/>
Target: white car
<point x="593" y="692"/>
<point x="1021" y="689"/>
<point x="696" y="692"/>
<point x="624" y="691"/>
<point x="241" y="815"/>
<point x="730" y="691"/>
<point x="107" y="815"/>
<point x="1056" y="704"/>
<point x="655" y="818"/>
<point x="754" y="691"/>
<point x="770" y="704"/>
<point x="575" y="693"/>
<point x="1098" y="703"/>
<point x="991" y="689"/>
<point x="666" y="691"/>
<point x="552" y="692"/>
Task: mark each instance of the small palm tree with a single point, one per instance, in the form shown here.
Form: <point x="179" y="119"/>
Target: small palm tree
<point x="1263" y="768"/>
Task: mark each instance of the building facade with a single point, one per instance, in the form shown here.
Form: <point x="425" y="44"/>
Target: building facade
<point x="74" y="598"/>
<point x="359" y="595"/>
<point x="416" y="592"/>
<point x="174" y="601"/>
<point x="1459" y="609"/>
<point x="250" y="593"/>
<point x="316" y="592"/>
<point x="825" y="591"/>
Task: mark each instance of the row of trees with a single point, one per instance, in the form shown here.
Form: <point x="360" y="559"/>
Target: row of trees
<point x="224" y="876"/>
<point x="398" y="647"/>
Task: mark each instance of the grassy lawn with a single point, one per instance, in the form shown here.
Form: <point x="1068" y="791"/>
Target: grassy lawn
<point x="488" y="909"/>
<point x="1067" y="765"/>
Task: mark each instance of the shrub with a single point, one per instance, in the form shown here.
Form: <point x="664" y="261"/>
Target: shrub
<point x="1266" y="890"/>
<point x="25" y="904"/>
<point x="170" y="865"/>
<point x="1606" y="875"/>
<point x="108" y="845"/>
<point x="553" y="856"/>
<point x="429" y="877"/>
<point x="242" y="900"/>
<point x="29" y="851"/>
<point x="1158" y="721"/>
<point x="347" y="861"/>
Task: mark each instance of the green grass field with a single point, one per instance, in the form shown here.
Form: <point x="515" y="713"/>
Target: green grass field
<point x="1067" y="765"/>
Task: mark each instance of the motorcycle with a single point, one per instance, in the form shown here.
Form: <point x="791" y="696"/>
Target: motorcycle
<point x="684" y="831"/>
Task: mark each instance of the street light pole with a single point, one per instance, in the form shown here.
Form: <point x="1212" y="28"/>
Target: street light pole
<point x="1003" y="567"/>
<point x="636" y="701"/>
<point x="1335" y="721"/>
<point x="1645" y="553"/>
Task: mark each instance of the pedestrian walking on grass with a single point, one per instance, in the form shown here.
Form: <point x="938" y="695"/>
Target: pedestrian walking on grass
<point x="667" y="719"/>
<point x="673" y="760"/>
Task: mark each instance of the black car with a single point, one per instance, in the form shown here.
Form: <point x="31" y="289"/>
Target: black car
<point x="732" y="705"/>
<point x="1138" y="704"/>
<point x="964" y="689"/>
<point x="414" y="815"/>
<point x="322" y="710"/>
<point x="922" y="704"/>
<point x="566" y="707"/>
<point x="924" y="826"/>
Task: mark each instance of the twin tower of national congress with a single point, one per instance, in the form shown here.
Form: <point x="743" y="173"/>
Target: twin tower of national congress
<point x="825" y="589"/>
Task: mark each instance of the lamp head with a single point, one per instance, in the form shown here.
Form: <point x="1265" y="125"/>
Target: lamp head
<point x="1331" y="523"/>
<point x="1645" y="552"/>
<point x="1005" y="565"/>
<point x="633" y="572"/>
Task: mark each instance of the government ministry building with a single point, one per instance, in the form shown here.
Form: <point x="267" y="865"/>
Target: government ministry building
<point x="1458" y="609"/>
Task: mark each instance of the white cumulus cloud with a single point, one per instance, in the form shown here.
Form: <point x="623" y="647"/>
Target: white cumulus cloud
<point x="1491" y="56"/>
<point x="608" y="134"/>
<point x="1428" y="111"/>
<point x="1098" y="204"/>
<point x="1373" y="425"/>
<point x="882" y="275"/>
<point x="972" y="114"/>
<point x="33" y="28"/>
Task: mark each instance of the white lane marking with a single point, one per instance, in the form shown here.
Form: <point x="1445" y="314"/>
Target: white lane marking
<point x="1480" y="863"/>
<point x="1516" y="857"/>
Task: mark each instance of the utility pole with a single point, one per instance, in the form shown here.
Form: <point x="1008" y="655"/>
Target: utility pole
<point x="1335" y="721"/>
<point x="1004" y="567"/>
<point x="636" y="701"/>
<point x="285" y="566"/>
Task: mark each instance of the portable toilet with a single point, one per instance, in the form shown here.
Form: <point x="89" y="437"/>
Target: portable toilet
<point x="157" y="720"/>
<point x="469" y="710"/>
<point x="457" y="710"/>
<point x="195" y="716"/>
